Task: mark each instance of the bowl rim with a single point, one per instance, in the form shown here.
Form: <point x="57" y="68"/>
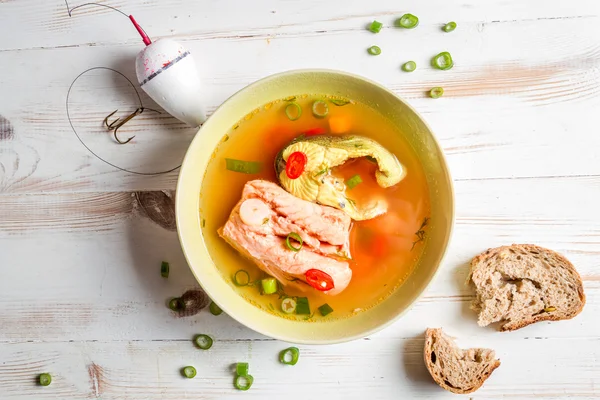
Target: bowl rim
<point x="446" y="171"/>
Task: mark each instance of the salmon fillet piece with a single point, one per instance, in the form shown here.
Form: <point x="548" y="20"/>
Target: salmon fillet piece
<point x="325" y="232"/>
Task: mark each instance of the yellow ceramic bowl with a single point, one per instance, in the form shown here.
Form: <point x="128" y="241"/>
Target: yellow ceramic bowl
<point x="327" y="82"/>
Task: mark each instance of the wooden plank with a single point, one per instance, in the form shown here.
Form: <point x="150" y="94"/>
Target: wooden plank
<point x="89" y="262"/>
<point x="132" y="369"/>
<point x="44" y="25"/>
<point x="510" y="111"/>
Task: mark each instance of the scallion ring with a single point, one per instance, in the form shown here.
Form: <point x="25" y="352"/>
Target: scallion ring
<point x="215" y="309"/>
<point x="409" y="66"/>
<point x="164" y="269"/>
<point x="374" y="50"/>
<point x="407" y="21"/>
<point x="204" y="342"/>
<point x="243" y="382"/>
<point x="269" y="285"/>
<point x="189" y="372"/>
<point x="289" y="356"/>
<point x="436" y="92"/>
<point x="45" y="379"/>
<point x="241" y="278"/>
<point x="293" y="111"/>
<point x="320" y="109"/>
<point x="449" y="27"/>
<point x="175" y="304"/>
<point x="375" y="26"/>
<point x="241" y="369"/>
<point x="288" y="305"/>
<point x="442" y="61"/>
<point x="295" y="237"/>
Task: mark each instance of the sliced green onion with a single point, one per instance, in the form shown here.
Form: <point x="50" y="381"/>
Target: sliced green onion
<point x="442" y="61"/>
<point x="295" y="237"/>
<point x="436" y="92"/>
<point x="288" y="305"/>
<point x="340" y="102"/>
<point x="241" y="369"/>
<point x="371" y="159"/>
<point x="241" y="278"/>
<point x="293" y="111"/>
<point x="374" y="50"/>
<point x="243" y="382"/>
<point x="353" y="182"/>
<point x="203" y="341"/>
<point x="375" y="26"/>
<point x="325" y="309"/>
<point x="175" y="304"/>
<point x="189" y="372"/>
<point x="302" y="306"/>
<point x="45" y="379"/>
<point x="269" y="285"/>
<point x="244" y="167"/>
<point x="215" y="309"/>
<point x="409" y="66"/>
<point x="320" y="109"/>
<point x="289" y="356"/>
<point x="164" y="269"/>
<point x="407" y="21"/>
<point x="449" y="27"/>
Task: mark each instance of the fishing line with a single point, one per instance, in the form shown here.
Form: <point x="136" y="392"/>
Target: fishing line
<point x="86" y="146"/>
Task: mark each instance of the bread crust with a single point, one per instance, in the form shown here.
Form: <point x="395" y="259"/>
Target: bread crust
<point x="532" y="248"/>
<point x="429" y="335"/>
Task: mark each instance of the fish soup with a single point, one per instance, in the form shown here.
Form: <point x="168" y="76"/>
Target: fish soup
<point x="331" y="237"/>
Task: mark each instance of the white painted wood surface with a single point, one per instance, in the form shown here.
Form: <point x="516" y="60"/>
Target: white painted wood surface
<point x="80" y="294"/>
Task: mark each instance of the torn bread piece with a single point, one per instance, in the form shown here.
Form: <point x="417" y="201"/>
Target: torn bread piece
<point x="454" y="369"/>
<point x="522" y="284"/>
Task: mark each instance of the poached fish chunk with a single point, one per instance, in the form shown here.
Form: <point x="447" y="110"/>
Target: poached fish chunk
<point x="263" y="218"/>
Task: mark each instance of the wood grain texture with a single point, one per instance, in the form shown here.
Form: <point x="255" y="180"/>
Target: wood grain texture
<point x="81" y="295"/>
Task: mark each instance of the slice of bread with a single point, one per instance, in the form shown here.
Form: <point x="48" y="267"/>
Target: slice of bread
<point x="522" y="284"/>
<point x="459" y="371"/>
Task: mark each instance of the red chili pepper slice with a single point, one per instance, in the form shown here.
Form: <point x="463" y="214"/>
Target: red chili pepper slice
<point x="315" y="131"/>
<point x="319" y="280"/>
<point x="295" y="164"/>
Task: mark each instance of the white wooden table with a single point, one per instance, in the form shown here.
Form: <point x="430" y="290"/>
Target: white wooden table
<point x="81" y="296"/>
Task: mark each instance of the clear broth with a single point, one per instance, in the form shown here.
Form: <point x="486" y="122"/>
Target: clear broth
<point x="385" y="250"/>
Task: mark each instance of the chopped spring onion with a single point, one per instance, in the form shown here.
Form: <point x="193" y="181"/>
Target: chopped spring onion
<point x="436" y="92"/>
<point x="289" y="356"/>
<point x="189" y="372"/>
<point x="203" y="341"/>
<point x="293" y="111"/>
<point x="243" y="382"/>
<point x="449" y="27"/>
<point x="288" y="305"/>
<point x="353" y="182"/>
<point x="215" y="309"/>
<point x="320" y="109"/>
<point x="241" y="369"/>
<point x="241" y="278"/>
<point x="325" y="309"/>
<point x="175" y="304"/>
<point x="375" y="26"/>
<point x="302" y="306"/>
<point x="164" y="269"/>
<point x="374" y="50"/>
<point x="295" y="237"/>
<point x="244" y="167"/>
<point x="340" y="102"/>
<point x="269" y="285"/>
<point x="407" y="21"/>
<point x="409" y="66"/>
<point x="442" y="61"/>
<point x="371" y="159"/>
<point x="45" y="379"/>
